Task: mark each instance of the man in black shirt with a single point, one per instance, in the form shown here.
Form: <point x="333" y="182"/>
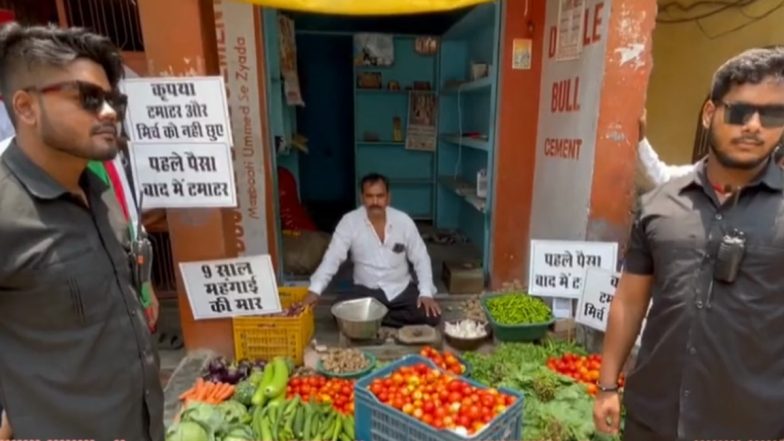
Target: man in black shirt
<point x="77" y="358"/>
<point x="707" y="249"/>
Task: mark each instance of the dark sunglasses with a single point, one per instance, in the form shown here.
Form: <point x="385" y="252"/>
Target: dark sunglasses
<point x="92" y="97"/>
<point x="771" y="117"/>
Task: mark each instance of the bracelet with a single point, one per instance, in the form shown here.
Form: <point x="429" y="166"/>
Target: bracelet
<point x="606" y="389"/>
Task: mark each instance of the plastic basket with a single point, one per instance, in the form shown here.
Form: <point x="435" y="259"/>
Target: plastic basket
<point x="529" y="332"/>
<point x="377" y="421"/>
<point x="267" y="337"/>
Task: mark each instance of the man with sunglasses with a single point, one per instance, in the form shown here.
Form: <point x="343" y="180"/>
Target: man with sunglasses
<point x="77" y="359"/>
<point x="707" y="249"/>
<point x="652" y="171"/>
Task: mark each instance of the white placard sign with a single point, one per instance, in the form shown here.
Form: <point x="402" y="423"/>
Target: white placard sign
<point x="190" y="110"/>
<point x="182" y="175"/>
<point x="593" y="310"/>
<point x="236" y="287"/>
<point x="598" y="292"/>
<point x="557" y="268"/>
<point x="571" y="15"/>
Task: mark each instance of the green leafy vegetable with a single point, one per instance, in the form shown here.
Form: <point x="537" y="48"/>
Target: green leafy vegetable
<point x="556" y="407"/>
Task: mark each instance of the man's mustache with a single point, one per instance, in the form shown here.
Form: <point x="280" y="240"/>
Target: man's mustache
<point x="104" y="129"/>
<point x="747" y="140"/>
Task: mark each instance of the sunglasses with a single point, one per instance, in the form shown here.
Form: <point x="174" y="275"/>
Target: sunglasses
<point x="92" y="97"/>
<point x="771" y="117"/>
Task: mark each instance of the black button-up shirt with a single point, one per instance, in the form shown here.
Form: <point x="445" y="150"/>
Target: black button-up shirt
<point x="711" y="364"/>
<point x="77" y="360"/>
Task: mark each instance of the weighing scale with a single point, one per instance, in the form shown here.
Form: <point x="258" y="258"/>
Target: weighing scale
<point x="392" y="344"/>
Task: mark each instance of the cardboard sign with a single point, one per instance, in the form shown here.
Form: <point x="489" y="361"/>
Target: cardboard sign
<point x="189" y="110"/>
<point x="593" y="310"/>
<point x="557" y="268"/>
<point x="225" y="288"/>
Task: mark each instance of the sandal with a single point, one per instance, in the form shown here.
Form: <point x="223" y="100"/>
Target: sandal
<point x="169" y="341"/>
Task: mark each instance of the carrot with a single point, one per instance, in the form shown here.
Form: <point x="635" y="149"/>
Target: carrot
<point x="225" y="390"/>
<point x="186" y="394"/>
<point x="204" y="393"/>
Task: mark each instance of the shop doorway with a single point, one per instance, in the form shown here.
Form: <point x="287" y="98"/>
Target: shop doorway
<point x="412" y="97"/>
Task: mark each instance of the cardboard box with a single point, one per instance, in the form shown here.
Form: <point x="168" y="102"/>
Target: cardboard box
<point x="462" y="277"/>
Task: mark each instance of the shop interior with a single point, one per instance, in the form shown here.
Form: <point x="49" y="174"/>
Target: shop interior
<point x="411" y="97"/>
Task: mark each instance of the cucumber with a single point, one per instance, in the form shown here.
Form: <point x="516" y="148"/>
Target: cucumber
<point x="259" y="397"/>
<point x="280" y="378"/>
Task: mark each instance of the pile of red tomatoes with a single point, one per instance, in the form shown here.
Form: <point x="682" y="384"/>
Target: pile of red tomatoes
<point x="445" y="360"/>
<point x="440" y="399"/>
<point x="582" y="368"/>
<point x="336" y="391"/>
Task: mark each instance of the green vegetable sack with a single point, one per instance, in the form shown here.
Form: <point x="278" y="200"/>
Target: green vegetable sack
<point x="518" y="309"/>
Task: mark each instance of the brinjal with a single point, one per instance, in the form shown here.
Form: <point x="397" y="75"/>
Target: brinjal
<point x="232" y="375"/>
<point x="217" y="366"/>
<point x="244" y="370"/>
<point x="215" y="378"/>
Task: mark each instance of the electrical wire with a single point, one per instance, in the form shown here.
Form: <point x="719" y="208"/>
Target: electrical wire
<point x="753" y="20"/>
<point x="721" y="6"/>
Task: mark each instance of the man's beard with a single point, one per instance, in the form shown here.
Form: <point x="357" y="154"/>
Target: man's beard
<point x="62" y="143"/>
<point x="726" y="160"/>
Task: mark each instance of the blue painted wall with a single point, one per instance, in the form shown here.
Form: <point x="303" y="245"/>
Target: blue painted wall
<point x="325" y="73"/>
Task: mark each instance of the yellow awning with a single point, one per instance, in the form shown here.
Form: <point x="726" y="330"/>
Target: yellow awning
<point x="367" y="7"/>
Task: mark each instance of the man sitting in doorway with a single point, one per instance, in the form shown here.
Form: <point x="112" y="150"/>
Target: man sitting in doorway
<point x="382" y="240"/>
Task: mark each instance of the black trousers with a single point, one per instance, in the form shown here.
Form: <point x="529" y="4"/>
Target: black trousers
<point x="636" y="431"/>
<point x="403" y="309"/>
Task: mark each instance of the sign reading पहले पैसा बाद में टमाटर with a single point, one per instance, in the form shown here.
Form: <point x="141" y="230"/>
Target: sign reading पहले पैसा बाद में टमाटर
<point x="181" y="142"/>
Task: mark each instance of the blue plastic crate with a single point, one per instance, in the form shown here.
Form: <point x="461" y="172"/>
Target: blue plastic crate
<point x="375" y="421"/>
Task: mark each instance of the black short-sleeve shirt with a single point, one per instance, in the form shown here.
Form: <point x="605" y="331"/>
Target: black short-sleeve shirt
<point x="711" y="363"/>
<point x="77" y="359"/>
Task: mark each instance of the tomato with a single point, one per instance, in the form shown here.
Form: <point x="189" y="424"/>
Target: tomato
<point x="440" y="412"/>
<point x="463" y="421"/>
<point x="592" y="389"/>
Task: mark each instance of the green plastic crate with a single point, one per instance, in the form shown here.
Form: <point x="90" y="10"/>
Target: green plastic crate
<point x="531" y="332"/>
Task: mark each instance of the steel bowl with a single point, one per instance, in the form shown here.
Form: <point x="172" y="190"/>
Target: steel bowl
<point x="359" y="319"/>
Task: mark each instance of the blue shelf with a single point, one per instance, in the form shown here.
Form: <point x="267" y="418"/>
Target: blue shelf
<point x="465" y="191"/>
<point x="382" y="92"/>
<point x="480" y="85"/>
<point x="468" y="107"/>
<point x="381" y="143"/>
<point x="411" y="172"/>
<point x="474" y="143"/>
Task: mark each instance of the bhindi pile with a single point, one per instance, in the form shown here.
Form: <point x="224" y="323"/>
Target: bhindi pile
<point x="518" y="309"/>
